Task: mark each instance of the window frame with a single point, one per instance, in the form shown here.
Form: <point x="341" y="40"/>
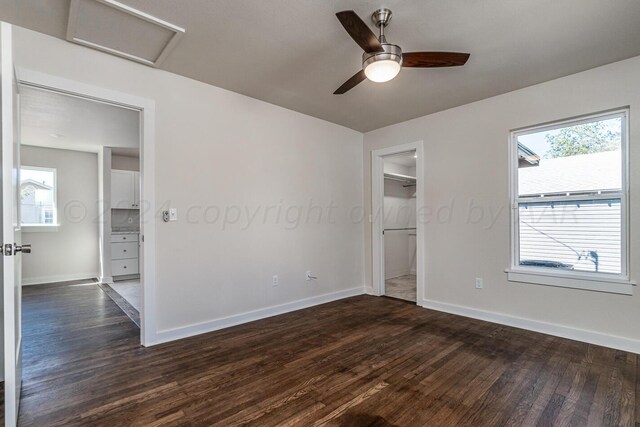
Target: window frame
<point x="604" y="282"/>
<point x="53" y="226"/>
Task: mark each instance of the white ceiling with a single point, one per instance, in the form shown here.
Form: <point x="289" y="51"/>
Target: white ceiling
<point x="295" y="53"/>
<point x="75" y="123"/>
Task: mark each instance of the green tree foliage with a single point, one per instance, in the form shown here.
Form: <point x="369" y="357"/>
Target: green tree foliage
<point x="587" y="138"/>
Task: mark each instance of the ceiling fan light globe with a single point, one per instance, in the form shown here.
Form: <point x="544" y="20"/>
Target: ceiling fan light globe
<point x="383" y="66"/>
<point x="382" y="71"/>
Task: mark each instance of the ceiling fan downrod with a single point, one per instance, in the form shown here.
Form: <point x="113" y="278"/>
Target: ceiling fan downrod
<point x="381" y="18"/>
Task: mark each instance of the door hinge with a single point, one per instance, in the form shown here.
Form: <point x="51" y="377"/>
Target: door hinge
<point x="7" y="249"/>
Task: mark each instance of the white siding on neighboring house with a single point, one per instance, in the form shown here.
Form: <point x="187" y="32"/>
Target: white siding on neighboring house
<point x="36" y="203"/>
<point x="586" y="235"/>
<point x="564" y="232"/>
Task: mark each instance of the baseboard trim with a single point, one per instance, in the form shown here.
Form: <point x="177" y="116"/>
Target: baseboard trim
<point x="125" y="278"/>
<point x="591" y="337"/>
<point x="106" y="279"/>
<point x="368" y="290"/>
<point x="46" y="280"/>
<point x="226" y="322"/>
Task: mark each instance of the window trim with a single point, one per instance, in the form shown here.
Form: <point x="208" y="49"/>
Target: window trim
<point x="604" y="282"/>
<point x="43" y="227"/>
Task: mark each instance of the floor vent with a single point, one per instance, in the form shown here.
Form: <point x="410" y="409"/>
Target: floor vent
<point x="120" y="30"/>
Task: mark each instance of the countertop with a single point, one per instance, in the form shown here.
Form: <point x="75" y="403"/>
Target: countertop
<point x="125" y="232"/>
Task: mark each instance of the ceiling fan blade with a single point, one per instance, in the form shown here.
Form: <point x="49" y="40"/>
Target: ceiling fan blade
<point x="351" y="83"/>
<point x="359" y="31"/>
<point x="434" y="59"/>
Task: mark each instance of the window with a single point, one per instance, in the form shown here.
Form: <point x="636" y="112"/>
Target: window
<point x="569" y="199"/>
<point x="38" y="196"/>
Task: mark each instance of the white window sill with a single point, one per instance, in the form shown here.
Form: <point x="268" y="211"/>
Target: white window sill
<point x="612" y="285"/>
<point x="48" y="228"/>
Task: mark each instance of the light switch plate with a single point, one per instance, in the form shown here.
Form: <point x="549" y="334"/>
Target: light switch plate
<point x="173" y="214"/>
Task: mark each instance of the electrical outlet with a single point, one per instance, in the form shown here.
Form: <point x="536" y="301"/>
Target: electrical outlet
<point x="479" y="283"/>
<point x="274" y="281"/>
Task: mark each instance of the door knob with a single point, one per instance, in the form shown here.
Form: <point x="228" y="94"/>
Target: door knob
<point x="25" y="249"/>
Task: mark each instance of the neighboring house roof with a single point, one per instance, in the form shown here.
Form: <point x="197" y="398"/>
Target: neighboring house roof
<point x="586" y="172"/>
<point x="526" y="157"/>
<point x="39" y="185"/>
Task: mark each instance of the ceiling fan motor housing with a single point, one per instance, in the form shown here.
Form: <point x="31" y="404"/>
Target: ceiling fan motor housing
<point x="391" y="52"/>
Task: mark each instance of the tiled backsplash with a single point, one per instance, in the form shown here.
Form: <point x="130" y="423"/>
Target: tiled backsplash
<point x="125" y="220"/>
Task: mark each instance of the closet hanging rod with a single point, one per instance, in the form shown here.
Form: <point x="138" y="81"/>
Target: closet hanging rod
<point x="400" y="177"/>
<point x="397" y="229"/>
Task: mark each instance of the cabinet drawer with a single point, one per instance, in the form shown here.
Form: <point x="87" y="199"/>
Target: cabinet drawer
<point x="121" y="267"/>
<point x="124" y="250"/>
<point x="124" y="238"/>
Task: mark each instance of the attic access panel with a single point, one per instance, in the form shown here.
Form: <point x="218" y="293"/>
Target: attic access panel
<point x="120" y="30"/>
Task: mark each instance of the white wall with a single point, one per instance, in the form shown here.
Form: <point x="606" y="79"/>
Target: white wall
<point x="215" y="148"/>
<point x="126" y="163"/>
<point x="71" y="252"/>
<point x="466" y="162"/>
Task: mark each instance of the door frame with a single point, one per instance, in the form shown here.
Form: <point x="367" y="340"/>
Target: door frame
<point x="27" y="77"/>
<point x="377" y="204"/>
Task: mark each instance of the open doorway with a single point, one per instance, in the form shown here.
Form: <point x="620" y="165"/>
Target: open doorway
<point x="399" y="222"/>
<point x="398" y="240"/>
<point x="123" y="179"/>
<point x="96" y="308"/>
<point x="80" y="196"/>
<point x="124" y="209"/>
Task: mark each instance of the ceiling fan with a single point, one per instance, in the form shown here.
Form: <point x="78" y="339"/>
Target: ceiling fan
<point x="381" y="61"/>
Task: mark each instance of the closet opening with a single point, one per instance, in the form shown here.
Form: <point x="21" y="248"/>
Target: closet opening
<point x="399" y="226"/>
<point x="398" y="243"/>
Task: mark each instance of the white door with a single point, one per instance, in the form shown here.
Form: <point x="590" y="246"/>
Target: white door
<point x="11" y="235"/>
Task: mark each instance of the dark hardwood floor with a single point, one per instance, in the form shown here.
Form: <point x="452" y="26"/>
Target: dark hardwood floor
<point x="121" y="302"/>
<point x="362" y="361"/>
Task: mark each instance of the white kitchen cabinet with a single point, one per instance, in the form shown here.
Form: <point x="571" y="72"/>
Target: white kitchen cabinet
<point x="124" y="250"/>
<point x="125" y="189"/>
<point x="124" y="267"/>
<point x="136" y="189"/>
<point x="124" y="254"/>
